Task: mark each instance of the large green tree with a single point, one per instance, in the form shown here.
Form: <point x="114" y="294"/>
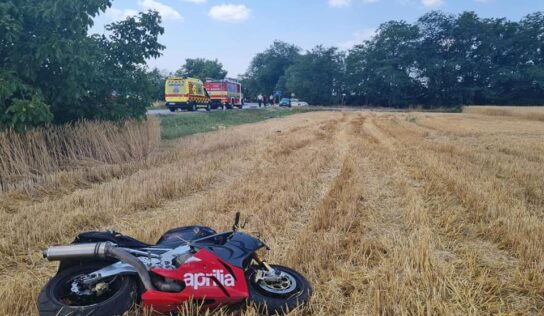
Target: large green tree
<point x="267" y="68"/>
<point x="317" y="76"/>
<point x="52" y="70"/>
<point x="202" y="69"/>
<point x="157" y="79"/>
<point x="436" y="59"/>
<point x="520" y="74"/>
<point x="383" y="70"/>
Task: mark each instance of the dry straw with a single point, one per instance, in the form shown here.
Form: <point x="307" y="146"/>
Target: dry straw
<point x="385" y="213"/>
<point x="26" y="158"/>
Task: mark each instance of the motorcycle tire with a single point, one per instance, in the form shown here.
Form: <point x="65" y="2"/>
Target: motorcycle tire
<point x="53" y="299"/>
<point x="269" y="303"/>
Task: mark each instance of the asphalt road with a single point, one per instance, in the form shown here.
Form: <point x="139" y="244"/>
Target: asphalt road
<point x="167" y="112"/>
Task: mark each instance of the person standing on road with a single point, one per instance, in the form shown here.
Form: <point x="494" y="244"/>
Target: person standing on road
<point x="272" y="101"/>
<point x="260" y="99"/>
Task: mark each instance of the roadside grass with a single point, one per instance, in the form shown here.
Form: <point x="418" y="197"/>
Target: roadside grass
<point x="532" y="113"/>
<point x="174" y="126"/>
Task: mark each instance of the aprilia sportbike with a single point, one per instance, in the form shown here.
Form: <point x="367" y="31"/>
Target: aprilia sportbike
<point x="105" y="273"/>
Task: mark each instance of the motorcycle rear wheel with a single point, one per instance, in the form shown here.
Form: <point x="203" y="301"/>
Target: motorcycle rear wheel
<point x="56" y="297"/>
<point x="271" y="299"/>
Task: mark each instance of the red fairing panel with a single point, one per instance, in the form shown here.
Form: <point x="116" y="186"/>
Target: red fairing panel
<point x="206" y="277"/>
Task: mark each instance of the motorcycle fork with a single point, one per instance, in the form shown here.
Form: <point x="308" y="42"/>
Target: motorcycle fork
<point x="262" y="262"/>
<point x="269" y="274"/>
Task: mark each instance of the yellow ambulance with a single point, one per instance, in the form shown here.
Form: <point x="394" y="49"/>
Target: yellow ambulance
<point x="182" y="93"/>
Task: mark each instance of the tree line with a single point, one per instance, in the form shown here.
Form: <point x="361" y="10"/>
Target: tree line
<point x="440" y="60"/>
<point x="53" y="71"/>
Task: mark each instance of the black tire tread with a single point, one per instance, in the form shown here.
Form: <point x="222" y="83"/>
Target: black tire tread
<point x="270" y="305"/>
<point x="117" y="305"/>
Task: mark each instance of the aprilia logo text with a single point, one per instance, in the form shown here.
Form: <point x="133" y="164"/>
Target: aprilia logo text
<point x="196" y="280"/>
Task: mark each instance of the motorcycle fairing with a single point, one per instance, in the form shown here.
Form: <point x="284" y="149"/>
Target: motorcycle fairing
<point x="188" y="233"/>
<point x="207" y="278"/>
<point x="237" y="251"/>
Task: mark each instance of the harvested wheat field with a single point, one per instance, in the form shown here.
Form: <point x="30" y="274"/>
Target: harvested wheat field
<point x="385" y="213"/>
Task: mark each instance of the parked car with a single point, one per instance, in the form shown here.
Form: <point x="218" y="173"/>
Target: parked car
<point x="285" y="102"/>
<point x="292" y="102"/>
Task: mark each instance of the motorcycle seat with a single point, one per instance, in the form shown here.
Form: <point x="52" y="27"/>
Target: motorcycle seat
<point x="112" y="236"/>
<point x="171" y="239"/>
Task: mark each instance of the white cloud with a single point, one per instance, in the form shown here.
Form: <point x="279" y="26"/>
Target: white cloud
<point x="339" y="3"/>
<point x="358" y="38"/>
<point x="432" y="3"/>
<point x="347" y="3"/>
<point x="196" y="1"/>
<point x="116" y="14"/>
<point x="232" y="13"/>
<point x="166" y="12"/>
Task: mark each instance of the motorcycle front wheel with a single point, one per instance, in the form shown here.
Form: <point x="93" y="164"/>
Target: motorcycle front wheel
<point x="58" y="298"/>
<point x="280" y="297"/>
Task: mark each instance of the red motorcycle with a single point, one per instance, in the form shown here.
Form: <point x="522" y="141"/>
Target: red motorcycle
<point x="105" y="273"/>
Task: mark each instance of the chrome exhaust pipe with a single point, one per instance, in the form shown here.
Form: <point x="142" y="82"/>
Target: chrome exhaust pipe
<point x="79" y="251"/>
<point x="99" y="250"/>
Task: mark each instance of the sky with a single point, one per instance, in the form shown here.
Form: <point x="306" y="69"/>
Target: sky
<point x="234" y="31"/>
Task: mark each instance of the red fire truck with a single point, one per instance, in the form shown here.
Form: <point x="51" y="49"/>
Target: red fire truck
<point x="226" y="93"/>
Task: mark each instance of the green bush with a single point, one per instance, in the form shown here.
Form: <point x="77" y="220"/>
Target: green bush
<point x="46" y="51"/>
<point x="25" y="114"/>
